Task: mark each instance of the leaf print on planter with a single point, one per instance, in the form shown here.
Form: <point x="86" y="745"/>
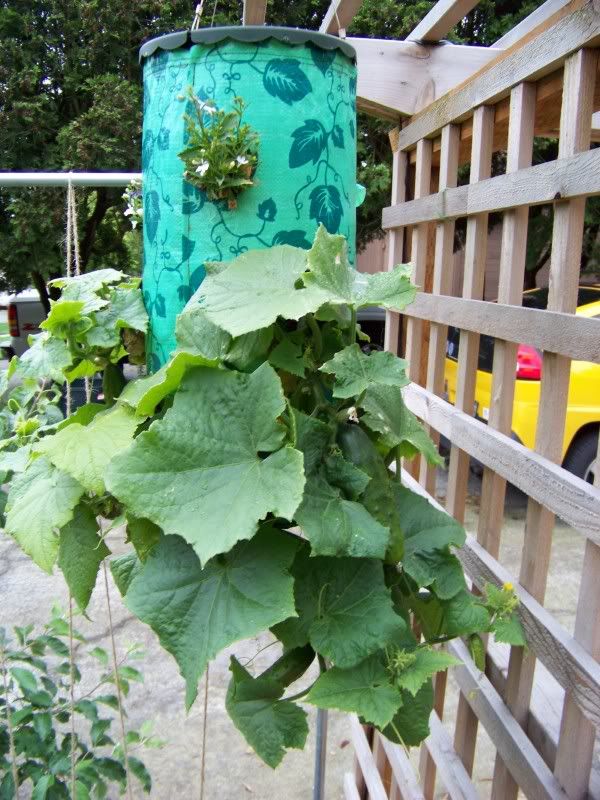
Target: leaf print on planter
<point x="147" y="147"/>
<point x="162" y="139"/>
<point x="283" y="78"/>
<point x="322" y="59"/>
<point x="337" y="136"/>
<point x="352" y="128"/>
<point x="326" y="207"/>
<point x="151" y="214"/>
<point x="310" y="140"/>
<point x="197" y="277"/>
<point x="297" y="238"/>
<point x="160" y="306"/>
<point x="187" y="248"/>
<point x="184" y="293"/>
<point x="193" y="198"/>
<point x="267" y="210"/>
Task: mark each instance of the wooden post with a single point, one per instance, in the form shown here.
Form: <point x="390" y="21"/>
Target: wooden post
<point x="395" y="240"/>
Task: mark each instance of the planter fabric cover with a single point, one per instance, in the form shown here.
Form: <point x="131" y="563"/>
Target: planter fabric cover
<point x="300" y="91"/>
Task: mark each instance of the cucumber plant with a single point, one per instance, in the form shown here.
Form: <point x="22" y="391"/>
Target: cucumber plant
<point x="258" y="475"/>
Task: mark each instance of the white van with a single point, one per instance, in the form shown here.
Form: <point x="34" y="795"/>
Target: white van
<point x="25" y="314"/>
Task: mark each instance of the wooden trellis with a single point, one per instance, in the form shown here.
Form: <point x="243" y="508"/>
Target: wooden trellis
<point x="539" y="80"/>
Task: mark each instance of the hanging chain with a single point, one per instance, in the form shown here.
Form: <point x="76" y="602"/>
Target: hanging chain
<point x="117" y="684"/>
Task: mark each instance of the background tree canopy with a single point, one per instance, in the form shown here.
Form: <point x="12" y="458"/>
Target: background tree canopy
<point x="70" y="98"/>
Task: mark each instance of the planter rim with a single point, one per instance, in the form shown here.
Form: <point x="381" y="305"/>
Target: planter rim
<point x="245" y="33"/>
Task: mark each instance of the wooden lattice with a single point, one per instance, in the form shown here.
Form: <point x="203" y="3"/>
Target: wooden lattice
<point x="543" y="84"/>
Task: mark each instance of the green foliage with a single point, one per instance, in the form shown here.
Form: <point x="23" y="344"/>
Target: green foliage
<point x="35" y="719"/>
<point x="221" y="155"/>
<point x="268" y="417"/>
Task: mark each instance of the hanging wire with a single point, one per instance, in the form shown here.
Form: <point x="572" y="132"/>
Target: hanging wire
<point x="197" y="15"/>
<point x="204" y="720"/>
<point x="117" y="684"/>
<point x="72" y="697"/>
<point x="212" y="22"/>
<point x="8" y="712"/>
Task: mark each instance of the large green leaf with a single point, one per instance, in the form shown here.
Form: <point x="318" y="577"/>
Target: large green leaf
<point x="345" y="609"/>
<point x="268" y="723"/>
<point x="89" y="287"/>
<point x="195" y="333"/>
<point x="388" y="289"/>
<point x="80" y="553"/>
<point x="201" y="471"/>
<point x="333" y="524"/>
<point x="126" y="310"/>
<point x="330" y="270"/>
<point x="336" y="526"/>
<point x="144" y="394"/>
<point x="427" y="662"/>
<point x="61" y="314"/>
<point x="354" y="371"/>
<point x="41" y="500"/>
<point x="197" y="611"/>
<point x="48" y="357"/>
<point x="386" y="414"/>
<point x="364" y="689"/>
<point x="84" y="451"/>
<point x="256" y="288"/>
<point x="411" y="723"/>
<point x="428" y="533"/>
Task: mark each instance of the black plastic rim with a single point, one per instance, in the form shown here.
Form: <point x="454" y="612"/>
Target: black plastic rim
<point x="246" y="33"/>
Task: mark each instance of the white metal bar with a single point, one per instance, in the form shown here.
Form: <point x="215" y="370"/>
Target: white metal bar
<point x="63" y="178"/>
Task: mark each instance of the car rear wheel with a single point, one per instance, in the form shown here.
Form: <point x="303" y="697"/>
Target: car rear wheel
<point x="581" y="458"/>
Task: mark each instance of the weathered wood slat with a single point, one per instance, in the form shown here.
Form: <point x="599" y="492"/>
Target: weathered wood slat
<point x="366" y="761"/>
<point x="570" y="335"/>
<point x="395" y="248"/>
<point x="339" y="15"/>
<point x="403" y="771"/>
<point x="255" y="12"/>
<point x="511" y="742"/>
<point x="350" y="790"/>
<point x="444" y="15"/>
<point x="572" y="499"/>
<point x="569" y="662"/>
<point x="567" y="178"/>
<point x="538" y="53"/>
<point x="455" y="778"/>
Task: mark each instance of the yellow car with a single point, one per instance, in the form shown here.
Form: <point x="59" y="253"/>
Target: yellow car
<point x="583" y="412"/>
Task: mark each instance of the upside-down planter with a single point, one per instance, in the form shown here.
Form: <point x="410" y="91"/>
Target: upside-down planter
<point x="300" y="90"/>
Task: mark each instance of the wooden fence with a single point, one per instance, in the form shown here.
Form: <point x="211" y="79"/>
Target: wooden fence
<point x="543" y="83"/>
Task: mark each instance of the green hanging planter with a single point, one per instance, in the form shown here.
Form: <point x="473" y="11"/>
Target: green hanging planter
<point x="300" y="91"/>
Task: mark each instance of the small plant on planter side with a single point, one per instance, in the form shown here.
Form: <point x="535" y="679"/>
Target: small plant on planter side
<point x="269" y="418"/>
<point x="222" y="152"/>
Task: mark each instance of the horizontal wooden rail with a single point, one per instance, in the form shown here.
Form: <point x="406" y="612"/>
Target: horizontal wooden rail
<point x="575" y="26"/>
<point x="526" y="764"/>
<point x="570" y="335"/>
<point x="572" y="499"/>
<point x="563" y="656"/>
<point x="577" y="176"/>
<point x="456" y="779"/>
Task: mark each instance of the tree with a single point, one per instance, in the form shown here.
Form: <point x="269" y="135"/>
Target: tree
<point x="70" y="98"/>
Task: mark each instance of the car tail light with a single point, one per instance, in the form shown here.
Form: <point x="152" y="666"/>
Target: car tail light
<point x="529" y="363"/>
<point x="13" y="320"/>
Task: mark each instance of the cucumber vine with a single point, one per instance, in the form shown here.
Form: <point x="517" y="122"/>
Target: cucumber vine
<point x="269" y="419"/>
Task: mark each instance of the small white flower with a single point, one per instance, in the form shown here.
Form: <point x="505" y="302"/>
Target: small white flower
<point x="134" y="223"/>
<point x="241" y="160"/>
<point x="202" y="168"/>
<point x="128" y="211"/>
<point x="140" y="212"/>
<point x="232" y="165"/>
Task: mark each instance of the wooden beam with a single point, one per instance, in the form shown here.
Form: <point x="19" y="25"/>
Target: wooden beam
<point x="568" y="334"/>
<point x="539" y="53"/>
<point x="402" y="769"/>
<point x="339" y="15"/>
<point x="570" y="497"/>
<point x="365" y="759"/>
<point x="456" y="779"/>
<point x="400" y="78"/>
<point x="441" y="19"/>
<point x="541" y="14"/>
<point x="255" y="12"/>
<point x="566" y="178"/>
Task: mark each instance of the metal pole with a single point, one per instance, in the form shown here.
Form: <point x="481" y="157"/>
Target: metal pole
<point x="320" y="755"/>
<point x="64" y="178"/>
